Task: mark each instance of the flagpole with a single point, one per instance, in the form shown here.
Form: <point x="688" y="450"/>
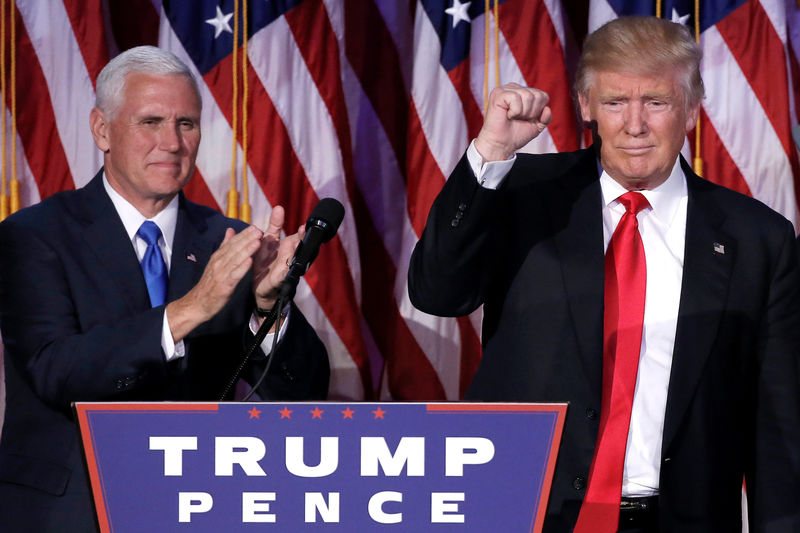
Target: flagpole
<point x="233" y="194"/>
<point x="697" y="162"/>
<point x="245" y="211"/>
<point x="3" y="185"/>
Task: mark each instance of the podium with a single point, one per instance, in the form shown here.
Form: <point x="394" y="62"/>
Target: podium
<point x="333" y="467"/>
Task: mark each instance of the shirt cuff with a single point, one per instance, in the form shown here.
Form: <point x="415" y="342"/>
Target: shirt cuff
<point x="490" y="174"/>
<point x="266" y="344"/>
<point x="172" y="350"/>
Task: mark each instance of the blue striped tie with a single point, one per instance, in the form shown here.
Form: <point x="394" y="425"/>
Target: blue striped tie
<point x="153" y="265"/>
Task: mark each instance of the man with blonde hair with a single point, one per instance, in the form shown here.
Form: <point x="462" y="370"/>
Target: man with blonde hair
<point x="665" y="309"/>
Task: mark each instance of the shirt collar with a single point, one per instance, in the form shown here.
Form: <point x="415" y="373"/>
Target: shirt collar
<point x="664" y="199"/>
<point x="166" y="219"/>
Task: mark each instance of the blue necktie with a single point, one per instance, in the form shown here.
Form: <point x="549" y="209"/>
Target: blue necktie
<point x="153" y="265"/>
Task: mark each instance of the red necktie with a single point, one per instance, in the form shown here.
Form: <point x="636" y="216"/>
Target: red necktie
<point x="625" y="284"/>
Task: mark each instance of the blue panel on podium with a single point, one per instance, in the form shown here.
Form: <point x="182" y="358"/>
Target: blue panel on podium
<point x="330" y="467"/>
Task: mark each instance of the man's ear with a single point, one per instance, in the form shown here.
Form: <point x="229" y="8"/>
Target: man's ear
<point x="691" y="117"/>
<point x="99" y="127"/>
<point x="583" y="103"/>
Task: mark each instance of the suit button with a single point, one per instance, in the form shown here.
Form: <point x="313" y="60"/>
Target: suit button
<point x="287" y="374"/>
<point x="578" y="483"/>
<point x="459" y="215"/>
<point x="591" y="414"/>
<point x="462" y="206"/>
<point x="454" y="222"/>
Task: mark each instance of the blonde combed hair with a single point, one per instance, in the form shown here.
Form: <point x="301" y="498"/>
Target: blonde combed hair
<point x="644" y="46"/>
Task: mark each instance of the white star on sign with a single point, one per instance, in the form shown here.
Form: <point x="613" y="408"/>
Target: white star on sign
<point x="220" y="23"/>
<point x="680" y="19"/>
<point x="458" y="11"/>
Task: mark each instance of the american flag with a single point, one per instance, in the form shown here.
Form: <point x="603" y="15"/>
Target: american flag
<point x="373" y="102"/>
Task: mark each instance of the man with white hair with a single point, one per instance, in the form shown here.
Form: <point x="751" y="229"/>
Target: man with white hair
<point x="663" y="308"/>
<point x="125" y="290"/>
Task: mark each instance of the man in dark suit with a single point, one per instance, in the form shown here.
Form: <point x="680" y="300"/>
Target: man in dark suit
<point x="677" y="349"/>
<point x="83" y="320"/>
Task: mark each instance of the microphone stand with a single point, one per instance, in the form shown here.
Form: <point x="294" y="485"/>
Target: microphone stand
<point x="269" y="320"/>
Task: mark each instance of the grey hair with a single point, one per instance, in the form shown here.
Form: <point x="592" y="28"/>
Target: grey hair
<point x="141" y="59"/>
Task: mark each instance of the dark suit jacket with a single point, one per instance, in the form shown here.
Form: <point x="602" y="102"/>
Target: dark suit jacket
<point x="77" y="326"/>
<point x="532" y="253"/>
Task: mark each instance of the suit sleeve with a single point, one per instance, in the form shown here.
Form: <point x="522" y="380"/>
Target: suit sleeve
<point x="64" y="359"/>
<point x="773" y="474"/>
<point x="451" y="265"/>
<point x="301" y="370"/>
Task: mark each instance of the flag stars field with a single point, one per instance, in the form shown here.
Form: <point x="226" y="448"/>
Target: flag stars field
<point x="459" y="12"/>
<point x="220" y="23"/>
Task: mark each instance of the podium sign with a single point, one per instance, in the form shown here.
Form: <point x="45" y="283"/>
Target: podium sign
<point x="330" y="467"/>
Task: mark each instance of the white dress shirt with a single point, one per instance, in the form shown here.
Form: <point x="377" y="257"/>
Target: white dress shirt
<point x="167" y="220"/>
<point x="663" y="230"/>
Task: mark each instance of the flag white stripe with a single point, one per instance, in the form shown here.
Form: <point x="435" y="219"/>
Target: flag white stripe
<point x="437" y="102"/>
<point x="50" y="32"/>
<point x="509" y="72"/>
<point x="214" y="154"/>
<point x="275" y="58"/>
<point x="213" y="162"/>
<point x="776" y="12"/>
<point x="764" y="164"/>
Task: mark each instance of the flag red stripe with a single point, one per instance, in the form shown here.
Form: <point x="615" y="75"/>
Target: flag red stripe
<point x="470" y="354"/>
<point x="373" y="56"/>
<point x="533" y="41"/>
<point x="128" y="34"/>
<point x="284" y="182"/>
<point x="317" y="43"/>
<point x="460" y="78"/>
<point x="197" y="191"/>
<point x="718" y="166"/>
<point x="86" y="18"/>
<point x="757" y="48"/>
<point x="36" y="120"/>
<point x="425" y="179"/>
<point x="424" y="182"/>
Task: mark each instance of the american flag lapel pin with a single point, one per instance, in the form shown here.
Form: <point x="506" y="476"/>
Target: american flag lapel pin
<point x="719" y="248"/>
<point x="191" y="258"/>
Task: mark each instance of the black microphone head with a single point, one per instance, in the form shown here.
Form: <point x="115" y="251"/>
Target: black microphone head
<point x="327" y="215"/>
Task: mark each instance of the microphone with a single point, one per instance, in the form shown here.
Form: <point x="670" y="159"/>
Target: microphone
<point x="320" y="228"/>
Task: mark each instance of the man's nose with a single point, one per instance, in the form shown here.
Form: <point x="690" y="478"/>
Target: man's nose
<point x="636" y="120"/>
<point x="169" y="137"/>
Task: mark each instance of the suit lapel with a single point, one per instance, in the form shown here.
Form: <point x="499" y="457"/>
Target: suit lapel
<point x="708" y="260"/>
<point x="191" y="250"/>
<point x="105" y="236"/>
<point x="577" y="214"/>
